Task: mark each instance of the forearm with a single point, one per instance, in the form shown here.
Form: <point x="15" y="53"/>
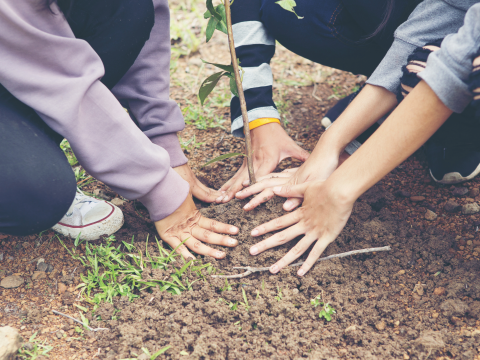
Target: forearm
<point x="368" y="107"/>
<point x="413" y="122"/>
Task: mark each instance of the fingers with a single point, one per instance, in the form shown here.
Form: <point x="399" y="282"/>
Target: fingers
<point x="277" y="239"/>
<point x="260" y="186"/>
<point x="174" y="242"/>
<point x="290" y="191"/>
<point x="278" y="223"/>
<point x="317" y="250"/>
<point x="292" y="203"/>
<point x="200" y="248"/>
<point x="300" y="154"/>
<point x="264" y="196"/>
<point x="203" y="193"/>
<point x="217" y="227"/>
<point x="233" y="186"/>
<point x="294" y="253"/>
<point x="213" y="238"/>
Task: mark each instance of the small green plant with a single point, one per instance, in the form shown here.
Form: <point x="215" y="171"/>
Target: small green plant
<point x="38" y="350"/>
<point x="222" y="157"/>
<point x="227" y="286"/>
<point x="190" y="144"/>
<point x="327" y="310"/>
<point x="201" y="118"/>
<point x="157" y="354"/>
<point x="232" y="305"/>
<point x="112" y="272"/>
<point x="245" y="303"/>
<point x="279" y="294"/>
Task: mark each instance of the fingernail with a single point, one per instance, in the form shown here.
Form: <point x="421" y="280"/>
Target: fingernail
<point x="233" y="230"/>
<point x="277" y="189"/>
<point x="246" y="206"/>
<point x="301" y="272"/>
<point x="288" y="204"/>
<point x="274" y="269"/>
<point x="254" y="250"/>
<point x="220" y="254"/>
<point x="223" y="191"/>
<point x="254" y="232"/>
<point x="245" y="183"/>
<point x="232" y="242"/>
<point x="219" y="198"/>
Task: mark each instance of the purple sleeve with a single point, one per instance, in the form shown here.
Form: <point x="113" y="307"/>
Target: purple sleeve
<point x="45" y="67"/>
<point x="145" y="89"/>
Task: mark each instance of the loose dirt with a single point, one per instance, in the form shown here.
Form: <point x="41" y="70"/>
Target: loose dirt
<point x="415" y="301"/>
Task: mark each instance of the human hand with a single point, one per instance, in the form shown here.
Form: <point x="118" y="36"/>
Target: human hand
<point x="187" y="223"/>
<point x="319" y="166"/>
<point x="200" y="191"/>
<point x="321" y="218"/>
<point x="271" y="144"/>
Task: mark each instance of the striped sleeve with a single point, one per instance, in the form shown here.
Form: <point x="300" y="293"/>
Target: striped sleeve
<point x="255" y="48"/>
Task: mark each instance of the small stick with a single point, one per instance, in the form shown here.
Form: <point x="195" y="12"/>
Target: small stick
<point x="78" y="321"/>
<point x="241" y="95"/>
<point x="251" y="270"/>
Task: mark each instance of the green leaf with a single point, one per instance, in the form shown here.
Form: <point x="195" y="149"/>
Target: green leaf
<point x="211" y="26"/>
<point x="223" y="157"/>
<point x="183" y="352"/>
<point x="289" y="5"/>
<point x="208" y="85"/>
<point x="228" y="68"/>
<point x="160" y="352"/>
<point x="207" y="14"/>
<point x="222" y="24"/>
<point x="233" y="85"/>
<point x="213" y="11"/>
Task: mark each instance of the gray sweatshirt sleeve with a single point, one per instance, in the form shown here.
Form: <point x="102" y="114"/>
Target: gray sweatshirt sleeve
<point x="431" y="20"/>
<point x="45" y="67"/>
<point x="448" y="69"/>
<point x="145" y="88"/>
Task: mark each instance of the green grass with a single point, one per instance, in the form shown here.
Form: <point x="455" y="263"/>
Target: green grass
<point x="39" y="349"/>
<point x="65" y="146"/>
<point x="112" y="272"/>
<point x="327" y="310"/>
<point x="202" y="118"/>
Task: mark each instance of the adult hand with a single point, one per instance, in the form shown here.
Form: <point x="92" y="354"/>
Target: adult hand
<point x="187" y="223"/>
<point x="200" y="191"/>
<point x="270" y="144"/>
<point x="321" y="218"/>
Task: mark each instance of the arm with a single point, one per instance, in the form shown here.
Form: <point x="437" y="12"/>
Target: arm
<point x="328" y="205"/>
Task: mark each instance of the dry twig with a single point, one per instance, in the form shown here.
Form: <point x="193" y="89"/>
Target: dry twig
<point x="251" y="270"/>
<point x="78" y="321"/>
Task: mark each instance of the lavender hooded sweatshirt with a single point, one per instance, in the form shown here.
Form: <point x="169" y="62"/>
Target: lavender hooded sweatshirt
<point x="47" y="68"/>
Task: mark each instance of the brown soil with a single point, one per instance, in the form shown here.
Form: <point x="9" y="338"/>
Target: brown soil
<point x="420" y="300"/>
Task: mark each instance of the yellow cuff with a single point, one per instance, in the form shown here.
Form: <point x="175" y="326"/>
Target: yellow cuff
<point x="262" y="121"/>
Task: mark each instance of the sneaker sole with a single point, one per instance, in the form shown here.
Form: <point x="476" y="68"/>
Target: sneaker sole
<point x="110" y="225"/>
<point x="455" y="177"/>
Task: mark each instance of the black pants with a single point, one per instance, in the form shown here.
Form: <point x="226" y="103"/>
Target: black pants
<point x="37" y="185"/>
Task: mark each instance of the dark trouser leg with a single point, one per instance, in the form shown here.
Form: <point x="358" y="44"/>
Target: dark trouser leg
<point x="37" y="185"/>
<point x="331" y="31"/>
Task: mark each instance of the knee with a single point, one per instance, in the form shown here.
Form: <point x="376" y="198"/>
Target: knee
<point x="35" y="204"/>
<point x="417" y="61"/>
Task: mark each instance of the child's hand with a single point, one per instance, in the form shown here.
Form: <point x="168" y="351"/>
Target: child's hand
<point x="198" y="190"/>
<point x="187" y="223"/>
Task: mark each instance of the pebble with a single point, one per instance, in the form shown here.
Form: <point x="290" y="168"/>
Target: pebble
<point x="469" y="209"/>
<point x="460" y="191"/>
<point x="42" y="267"/>
<point x="469" y="242"/>
<point x="439" y="291"/>
<point x="401" y="272"/>
<point x="417" y="198"/>
<point x="474" y="192"/>
<point x="430" y="215"/>
<point x="59" y="334"/>
<point x="419" y="289"/>
<point x="62" y="288"/>
<point x="37" y="275"/>
<point x="117" y="202"/>
<point x="451" y="206"/>
<point x="12" y="282"/>
<point x="10" y="342"/>
<point x="380" y="326"/>
<point x="350" y="329"/>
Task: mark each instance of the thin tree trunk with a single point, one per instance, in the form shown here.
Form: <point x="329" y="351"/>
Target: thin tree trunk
<point x="241" y="96"/>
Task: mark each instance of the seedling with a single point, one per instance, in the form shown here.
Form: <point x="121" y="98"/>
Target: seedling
<point x="227" y="286"/>
<point x="327" y="310"/>
<point x="39" y="349"/>
<point x="157" y="354"/>
<point x="279" y="294"/>
<point x="245" y="303"/>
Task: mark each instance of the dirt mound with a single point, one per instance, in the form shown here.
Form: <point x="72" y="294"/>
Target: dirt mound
<point x="385" y="302"/>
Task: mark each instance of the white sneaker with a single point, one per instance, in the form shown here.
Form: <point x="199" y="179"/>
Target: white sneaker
<point x="91" y="218"/>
